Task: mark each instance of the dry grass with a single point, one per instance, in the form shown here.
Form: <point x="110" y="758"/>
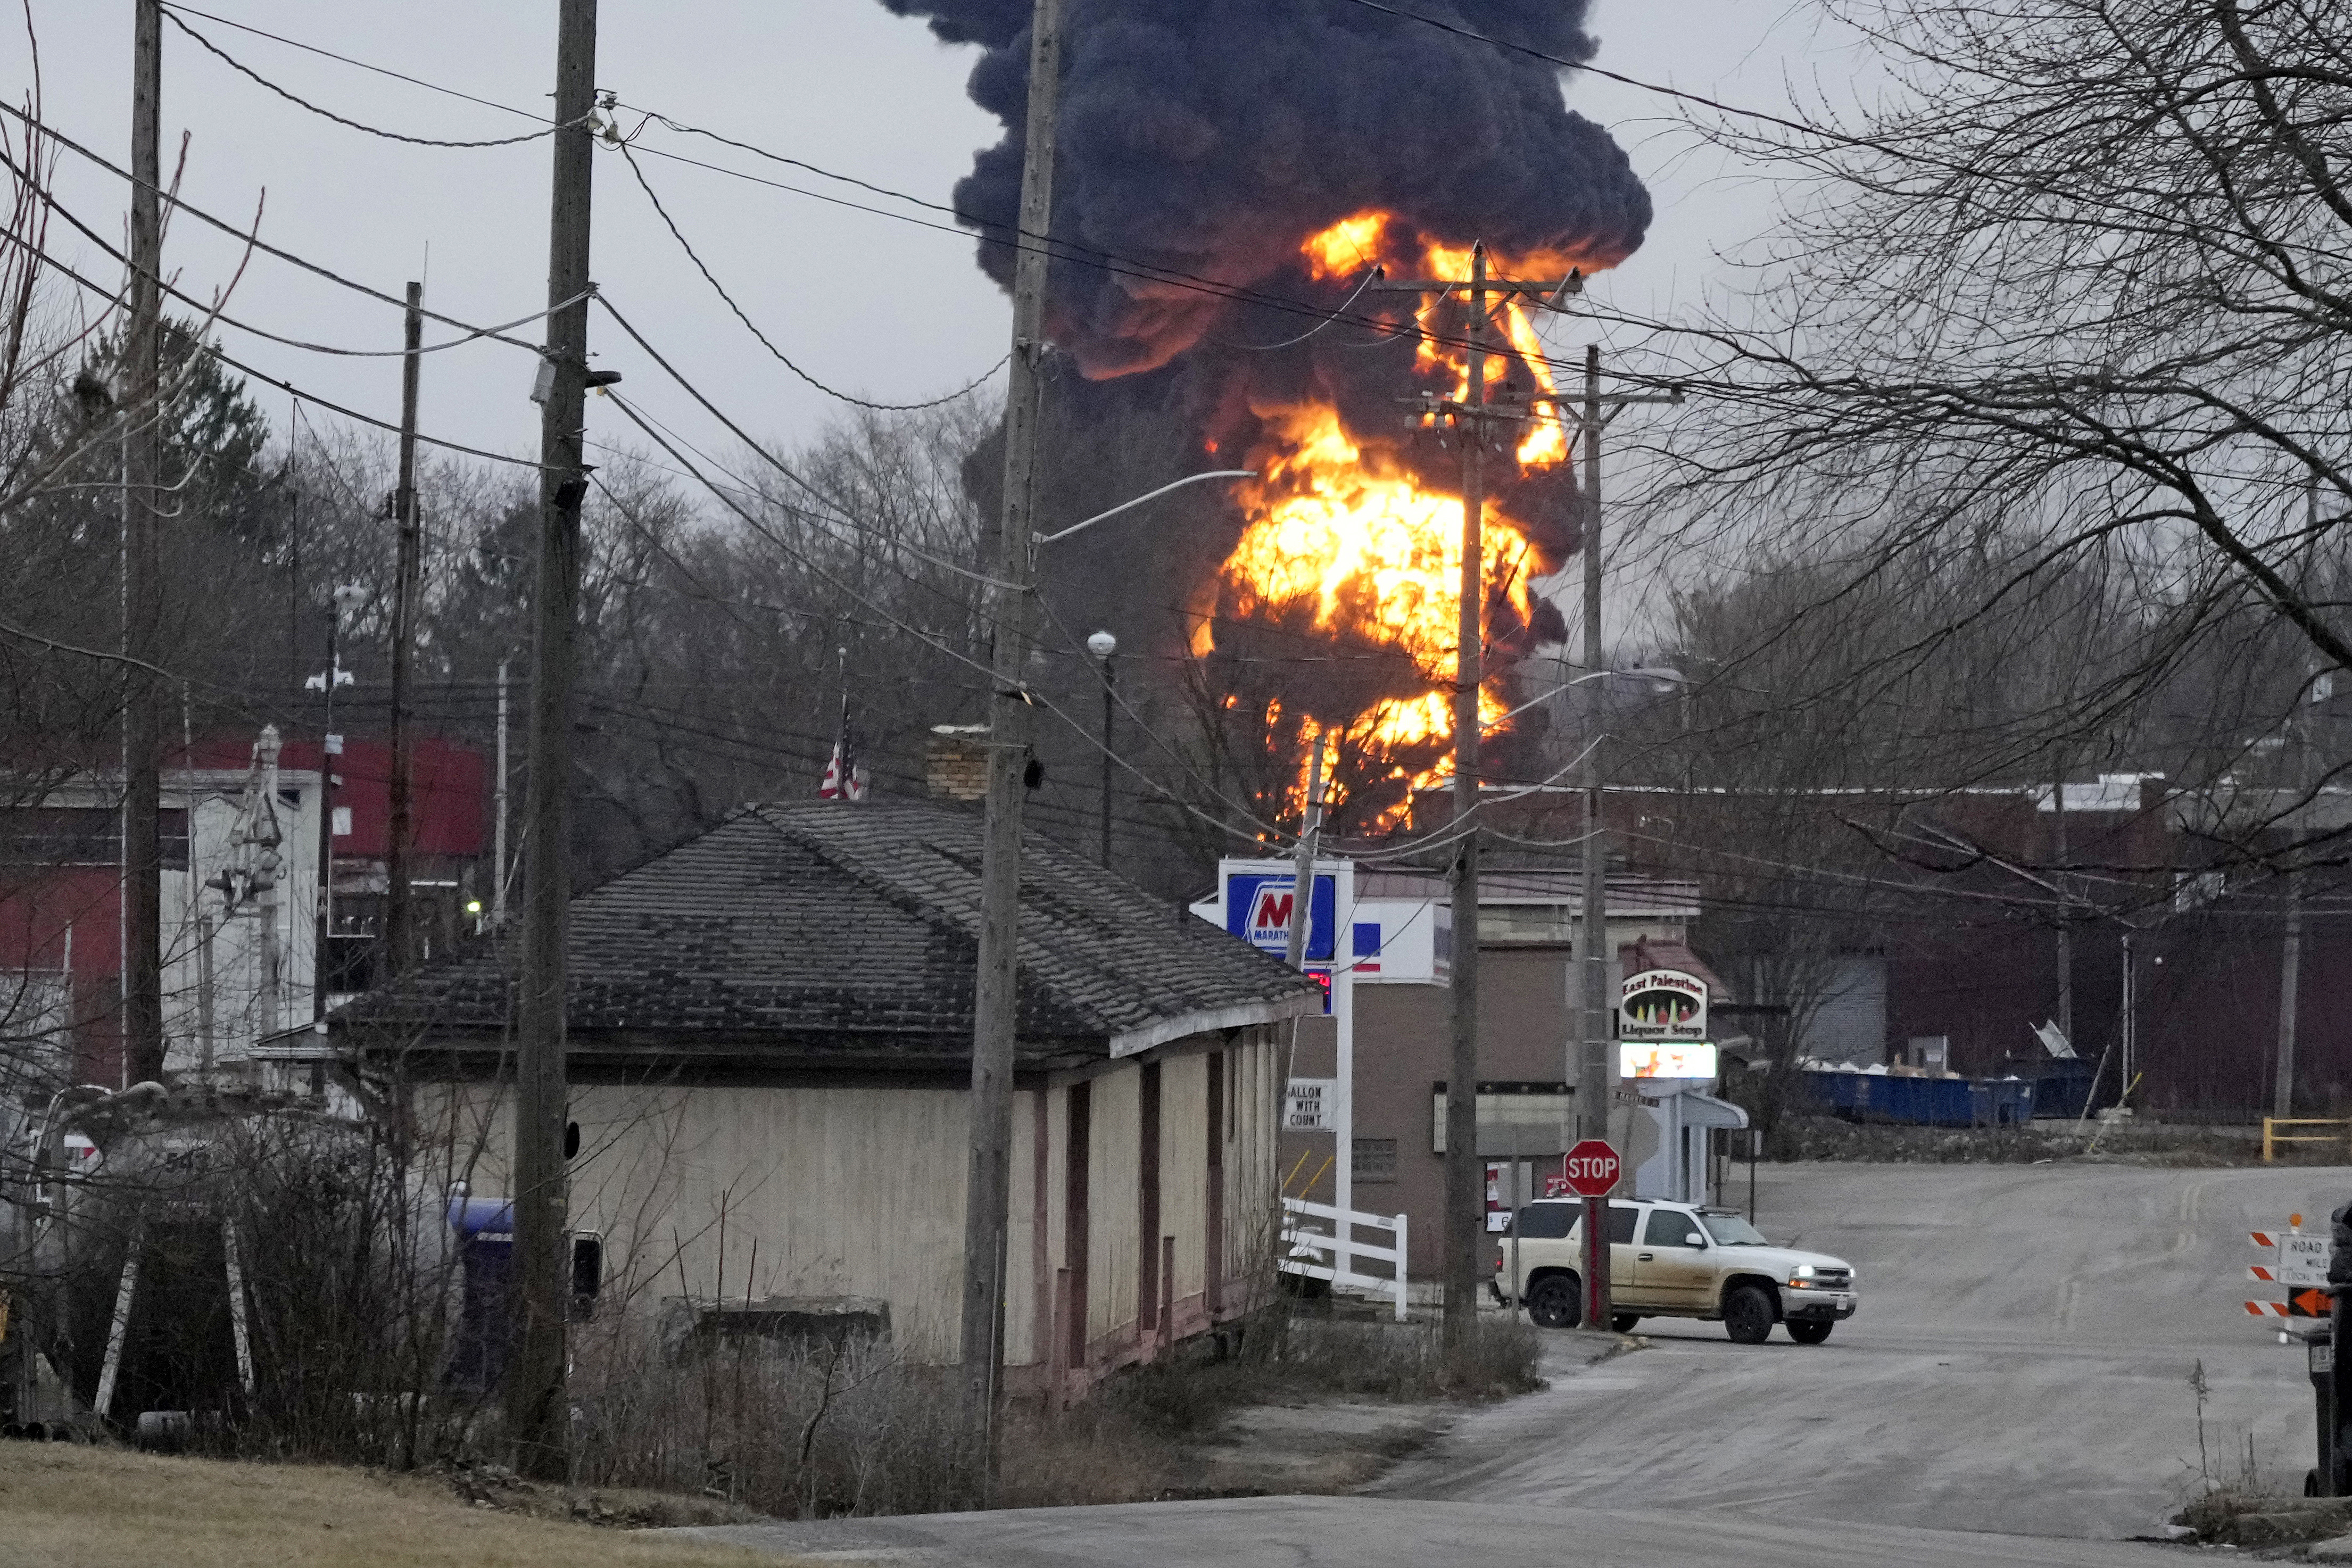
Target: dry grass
<point x="66" y="1506"/>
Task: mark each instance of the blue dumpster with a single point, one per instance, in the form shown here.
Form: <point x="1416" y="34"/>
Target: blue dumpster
<point x="1923" y="1101"/>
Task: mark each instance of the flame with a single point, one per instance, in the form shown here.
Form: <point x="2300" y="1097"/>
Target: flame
<point x="1343" y="534"/>
<point x="1347" y="247"/>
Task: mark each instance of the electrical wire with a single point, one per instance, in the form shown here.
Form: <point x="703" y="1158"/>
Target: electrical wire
<point x="363" y="65"/>
<point x="244" y="69"/>
<point x="645" y="421"/>
<point x="1374" y="275"/>
<point x="782" y="358"/>
<point x="49" y="200"/>
<point x="1037" y="700"/>
<point x="1105" y="260"/>
<point x="175" y="203"/>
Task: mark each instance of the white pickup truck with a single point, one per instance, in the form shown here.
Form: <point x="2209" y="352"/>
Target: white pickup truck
<point x="1672" y="1260"/>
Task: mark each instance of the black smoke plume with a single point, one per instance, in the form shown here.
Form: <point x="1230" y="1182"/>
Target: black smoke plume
<point x="1210" y="137"/>
<point x="1206" y="140"/>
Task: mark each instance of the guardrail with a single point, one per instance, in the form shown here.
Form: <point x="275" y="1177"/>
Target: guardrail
<point x="1303" y="1248"/>
<point x="2271" y="1140"/>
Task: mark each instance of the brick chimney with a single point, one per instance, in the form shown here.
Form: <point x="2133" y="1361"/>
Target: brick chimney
<point x="955" y="766"/>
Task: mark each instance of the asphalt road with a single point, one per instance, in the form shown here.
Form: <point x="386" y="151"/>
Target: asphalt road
<point x="2016" y="1389"/>
<point x="2021" y="1363"/>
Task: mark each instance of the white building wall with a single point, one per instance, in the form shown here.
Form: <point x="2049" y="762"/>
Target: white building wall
<point x="264" y="957"/>
<point x="859" y="1192"/>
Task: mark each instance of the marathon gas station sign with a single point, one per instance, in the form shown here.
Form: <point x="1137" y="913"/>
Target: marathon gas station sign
<point x="1260" y="904"/>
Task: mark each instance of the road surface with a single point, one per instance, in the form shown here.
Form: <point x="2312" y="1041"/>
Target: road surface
<point x="2021" y="1368"/>
<point x="2022" y="1362"/>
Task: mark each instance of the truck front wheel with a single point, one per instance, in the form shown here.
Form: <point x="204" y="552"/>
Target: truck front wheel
<point x="1812" y="1333"/>
<point x="1556" y="1301"/>
<point x="1747" y="1316"/>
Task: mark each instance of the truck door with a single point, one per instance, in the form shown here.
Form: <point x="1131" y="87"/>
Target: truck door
<point x="1673" y="1266"/>
<point x="1624" y="1287"/>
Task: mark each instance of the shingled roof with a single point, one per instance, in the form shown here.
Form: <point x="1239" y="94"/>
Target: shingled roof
<point x="824" y="932"/>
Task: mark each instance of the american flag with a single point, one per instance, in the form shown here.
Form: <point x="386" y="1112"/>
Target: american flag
<point x="843" y="778"/>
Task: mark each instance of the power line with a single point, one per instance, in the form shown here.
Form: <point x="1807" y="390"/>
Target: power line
<point x="244" y="69"/>
<point x="752" y="326"/>
<point x="363" y="65"/>
<point x="49" y="200"/>
<point x="769" y="535"/>
<point x="283" y="385"/>
<point x="243" y="237"/>
<point x="989" y="232"/>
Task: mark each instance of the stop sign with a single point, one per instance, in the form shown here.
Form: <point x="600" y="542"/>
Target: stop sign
<point x="1591" y="1168"/>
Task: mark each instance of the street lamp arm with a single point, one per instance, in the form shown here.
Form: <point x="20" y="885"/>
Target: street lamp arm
<point x="1152" y="495"/>
<point x="1670" y="678"/>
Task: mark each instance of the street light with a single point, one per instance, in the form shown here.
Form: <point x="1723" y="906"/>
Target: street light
<point x="1105" y="646"/>
<point x="1661" y="673"/>
<point x="1148" y="496"/>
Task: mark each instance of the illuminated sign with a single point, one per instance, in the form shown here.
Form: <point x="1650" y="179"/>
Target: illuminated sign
<point x="1662" y="1004"/>
<point x="1259" y="904"/>
<point x="1666" y="1058"/>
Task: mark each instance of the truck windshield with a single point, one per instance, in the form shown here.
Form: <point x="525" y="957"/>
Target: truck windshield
<point x="1730" y="1230"/>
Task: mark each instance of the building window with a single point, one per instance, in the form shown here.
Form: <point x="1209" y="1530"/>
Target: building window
<point x="1514" y="1118"/>
<point x="1376" y="1159"/>
<point x="84" y="835"/>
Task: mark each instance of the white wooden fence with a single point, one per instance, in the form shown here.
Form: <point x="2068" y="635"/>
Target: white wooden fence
<point x="1330" y="1252"/>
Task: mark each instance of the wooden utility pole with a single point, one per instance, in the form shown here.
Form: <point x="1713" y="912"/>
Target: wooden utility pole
<point x="988" y="1174"/>
<point x="499" y="827"/>
<point x="399" y="940"/>
<point x="1464" y="1195"/>
<point x="537" y="1413"/>
<point x="2065" y="904"/>
<point x="1596" y="1079"/>
<point x="1596" y="1074"/>
<point x="143" y="718"/>
<point x="1302" y="870"/>
<point x="1465" y="1198"/>
<point x="330" y="751"/>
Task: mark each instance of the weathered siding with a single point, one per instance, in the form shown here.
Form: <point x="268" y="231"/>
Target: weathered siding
<point x="859" y="1191"/>
<point x="1112" y="1255"/>
<point x="740" y="1192"/>
<point x="1184" y="1173"/>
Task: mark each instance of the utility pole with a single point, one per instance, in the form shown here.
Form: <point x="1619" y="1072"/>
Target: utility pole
<point x="1596" y="1084"/>
<point x="1105" y="646"/>
<point x="143" y="720"/>
<point x="399" y="940"/>
<point x="2065" y="907"/>
<point x="1465" y="1240"/>
<point x="1302" y="867"/>
<point x="1463" y="1198"/>
<point x="2298" y="742"/>
<point x="537" y="1413"/>
<point x="330" y="751"/>
<point x="273" y="895"/>
<point x="1596" y="1074"/>
<point x="499" y="826"/>
<point x="988" y="1173"/>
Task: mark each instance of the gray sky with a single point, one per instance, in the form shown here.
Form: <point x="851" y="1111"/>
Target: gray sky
<point x="869" y="303"/>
